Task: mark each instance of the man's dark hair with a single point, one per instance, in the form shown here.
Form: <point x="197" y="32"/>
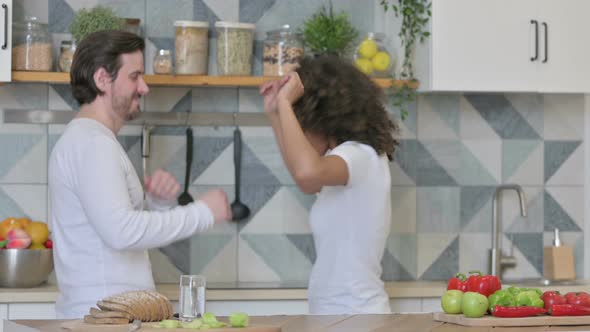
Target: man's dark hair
<point x="342" y="103"/>
<point x="100" y="49"/>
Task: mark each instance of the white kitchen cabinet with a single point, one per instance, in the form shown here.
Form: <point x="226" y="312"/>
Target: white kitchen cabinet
<point x="5" y="40"/>
<point x="506" y="45"/>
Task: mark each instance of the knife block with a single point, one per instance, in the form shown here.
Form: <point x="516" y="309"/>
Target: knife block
<point x="558" y="263"/>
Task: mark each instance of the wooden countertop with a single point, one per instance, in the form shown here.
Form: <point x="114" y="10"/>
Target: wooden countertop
<point x="356" y="323"/>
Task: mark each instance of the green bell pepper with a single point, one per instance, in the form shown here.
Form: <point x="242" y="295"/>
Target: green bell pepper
<point x="529" y="298"/>
<point x="502" y="298"/>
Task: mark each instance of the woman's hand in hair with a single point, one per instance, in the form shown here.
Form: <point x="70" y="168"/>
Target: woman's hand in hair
<point x="270" y="91"/>
<point x="292" y="90"/>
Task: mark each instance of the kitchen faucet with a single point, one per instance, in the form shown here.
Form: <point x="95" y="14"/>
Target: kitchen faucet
<point x="497" y="258"/>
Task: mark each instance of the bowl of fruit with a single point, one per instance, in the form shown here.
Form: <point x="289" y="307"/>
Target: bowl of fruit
<point x="26" y="254"/>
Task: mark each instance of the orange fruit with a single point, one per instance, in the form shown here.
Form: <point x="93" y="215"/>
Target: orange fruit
<point x="7" y="224"/>
<point x="38" y="232"/>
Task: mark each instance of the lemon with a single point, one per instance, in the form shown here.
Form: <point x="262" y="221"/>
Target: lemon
<point x="364" y="65"/>
<point x="381" y="61"/>
<point x="368" y="48"/>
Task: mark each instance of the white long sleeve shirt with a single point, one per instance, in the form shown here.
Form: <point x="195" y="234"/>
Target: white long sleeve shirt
<point x="350" y="225"/>
<point x="100" y="231"/>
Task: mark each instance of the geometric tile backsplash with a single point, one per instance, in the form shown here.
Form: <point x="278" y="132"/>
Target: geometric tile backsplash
<point x="455" y="149"/>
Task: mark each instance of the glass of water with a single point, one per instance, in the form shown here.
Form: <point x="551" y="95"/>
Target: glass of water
<point x="192" y="297"/>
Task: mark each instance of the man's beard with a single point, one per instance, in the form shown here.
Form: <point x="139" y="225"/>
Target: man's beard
<point x="122" y="106"/>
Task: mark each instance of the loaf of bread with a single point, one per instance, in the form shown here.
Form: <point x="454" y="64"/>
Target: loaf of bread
<point x="146" y="305"/>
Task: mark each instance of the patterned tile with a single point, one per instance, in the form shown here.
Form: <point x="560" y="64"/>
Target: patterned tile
<point x="161" y="14"/>
<point x="502" y="116"/>
<point x="19" y="200"/>
<point x="564" y="117"/>
<point x="473" y="125"/>
<point x="204" y="248"/>
<point x="61" y="16"/>
<point x="401" y="257"/>
<point x="24" y="157"/>
<point x="403" y="167"/>
<point x="215" y="100"/>
<point x="556" y="153"/>
<point x="474" y="251"/>
<point x="446" y="264"/>
<point x="227" y="10"/>
<point x="439" y="116"/>
<point x="521" y="162"/>
<point x="558" y="216"/>
<point x="281" y="255"/>
<point x="252" y="10"/>
<point x="476" y="212"/>
<point x="568" y="173"/>
<point x="531" y="246"/>
<point x="409" y="125"/>
<point x="305" y="244"/>
<point x="438" y="209"/>
<point x="533" y="222"/>
<point x="403" y="209"/>
<point x="429" y="172"/>
<point x="530" y="107"/>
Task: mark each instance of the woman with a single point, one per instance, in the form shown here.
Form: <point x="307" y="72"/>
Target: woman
<point x="336" y="139"/>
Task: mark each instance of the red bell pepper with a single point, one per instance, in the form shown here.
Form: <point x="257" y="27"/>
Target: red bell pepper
<point x="483" y="284"/>
<point x="579" y="298"/>
<point x="552" y="297"/>
<point x="502" y="311"/>
<point x="569" y="310"/>
<point x="457" y="282"/>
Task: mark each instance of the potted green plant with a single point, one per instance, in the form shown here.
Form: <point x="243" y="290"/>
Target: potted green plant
<point x="328" y="33"/>
<point x="415" y="15"/>
<point x="87" y="21"/>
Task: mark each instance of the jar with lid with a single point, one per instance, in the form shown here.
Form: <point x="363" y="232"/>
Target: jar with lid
<point x="372" y="57"/>
<point x="283" y="49"/>
<point x="235" y="48"/>
<point x="31" y="46"/>
<point x="191" y="47"/>
<point x="133" y="25"/>
<point x="66" y="55"/>
<point x="163" y="62"/>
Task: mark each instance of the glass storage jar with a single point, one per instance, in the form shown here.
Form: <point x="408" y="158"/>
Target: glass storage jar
<point x="163" y="62"/>
<point x="372" y="57"/>
<point x="66" y="55"/>
<point x="133" y="25"/>
<point x="191" y="46"/>
<point x="31" y="46"/>
<point x="283" y="49"/>
<point x="235" y="48"/>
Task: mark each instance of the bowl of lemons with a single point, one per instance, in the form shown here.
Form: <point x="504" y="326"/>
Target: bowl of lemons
<point x="372" y="57"/>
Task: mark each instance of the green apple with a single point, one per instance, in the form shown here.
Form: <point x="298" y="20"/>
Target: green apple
<point x="474" y="305"/>
<point x="451" y="301"/>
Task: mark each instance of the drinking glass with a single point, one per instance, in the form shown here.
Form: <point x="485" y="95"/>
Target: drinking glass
<point x="192" y="297"/>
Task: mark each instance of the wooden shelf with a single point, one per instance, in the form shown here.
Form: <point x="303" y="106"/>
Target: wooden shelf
<point x="181" y="80"/>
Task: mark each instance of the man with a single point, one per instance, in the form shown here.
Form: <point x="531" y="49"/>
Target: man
<point x="100" y="230"/>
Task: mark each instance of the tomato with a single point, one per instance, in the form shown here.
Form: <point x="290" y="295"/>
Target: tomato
<point x="552" y="297"/>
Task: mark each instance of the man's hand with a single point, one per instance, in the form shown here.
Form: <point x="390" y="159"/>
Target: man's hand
<point x="270" y="91"/>
<point x="217" y="201"/>
<point x="161" y="185"/>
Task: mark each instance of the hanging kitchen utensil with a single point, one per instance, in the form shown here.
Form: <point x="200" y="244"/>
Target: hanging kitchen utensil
<point x="186" y="198"/>
<point x="239" y="210"/>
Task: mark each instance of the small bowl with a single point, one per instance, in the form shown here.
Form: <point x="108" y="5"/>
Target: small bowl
<point x="25" y="268"/>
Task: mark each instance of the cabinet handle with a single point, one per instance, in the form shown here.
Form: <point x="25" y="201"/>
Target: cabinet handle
<point x="546" y="28"/>
<point x="5" y="7"/>
<point x="536" y="24"/>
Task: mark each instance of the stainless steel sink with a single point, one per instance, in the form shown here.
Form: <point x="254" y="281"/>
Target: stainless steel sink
<point x="541" y="282"/>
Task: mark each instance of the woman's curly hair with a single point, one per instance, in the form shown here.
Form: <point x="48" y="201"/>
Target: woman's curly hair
<point x="341" y="102"/>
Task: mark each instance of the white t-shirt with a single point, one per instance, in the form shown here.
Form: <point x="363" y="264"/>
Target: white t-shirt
<point x="350" y="225"/>
<point x="101" y="233"/>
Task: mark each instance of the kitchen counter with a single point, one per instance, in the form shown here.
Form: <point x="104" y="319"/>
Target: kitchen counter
<point x="261" y="291"/>
<point x="356" y="323"/>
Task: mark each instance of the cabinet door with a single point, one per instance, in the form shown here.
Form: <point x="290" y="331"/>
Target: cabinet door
<point x="483" y="45"/>
<point x="566" y="65"/>
<point x="5" y="40"/>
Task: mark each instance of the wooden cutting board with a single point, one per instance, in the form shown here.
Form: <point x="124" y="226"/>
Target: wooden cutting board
<point x="80" y="326"/>
<point x="523" y="321"/>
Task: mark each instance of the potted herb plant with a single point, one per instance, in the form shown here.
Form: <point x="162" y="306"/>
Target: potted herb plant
<point x="328" y="33"/>
<point x="87" y="21"/>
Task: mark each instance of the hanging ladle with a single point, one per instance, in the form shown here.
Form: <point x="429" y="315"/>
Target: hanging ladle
<point x="186" y="198"/>
<point x="239" y="210"/>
